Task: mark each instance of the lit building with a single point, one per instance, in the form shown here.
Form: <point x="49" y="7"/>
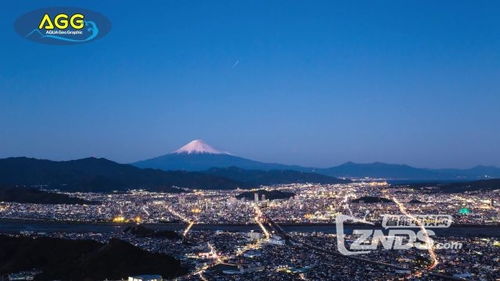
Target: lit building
<point x="145" y="278"/>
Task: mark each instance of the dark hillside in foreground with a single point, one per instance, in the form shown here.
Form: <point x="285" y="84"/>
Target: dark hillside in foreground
<point x="101" y="175"/>
<point x="60" y="259"/>
<point x="33" y="195"/>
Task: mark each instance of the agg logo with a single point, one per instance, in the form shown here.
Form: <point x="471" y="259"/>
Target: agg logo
<point x="61" y="21"/>
<point x="62" y="26"/>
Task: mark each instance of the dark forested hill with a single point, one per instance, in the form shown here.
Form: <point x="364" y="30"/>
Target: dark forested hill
<point x="60" y="259"/>
<point x="270" y="177"/>
<point x="371" y="199"/>
<point x="99" y="174"/>
<point x="269" y="195"/>
<point x="102" y="175"/>
<point x="33" y="195"/>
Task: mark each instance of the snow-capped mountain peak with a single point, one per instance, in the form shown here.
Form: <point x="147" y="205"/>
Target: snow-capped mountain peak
<point x="198" y="146"/>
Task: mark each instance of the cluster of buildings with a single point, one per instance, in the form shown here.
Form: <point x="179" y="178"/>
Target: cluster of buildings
<point x="311" y="204"/>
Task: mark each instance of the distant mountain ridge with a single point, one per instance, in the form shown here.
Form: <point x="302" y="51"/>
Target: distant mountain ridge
<point x="377" y="170"/>
<point x="101" y="175"/>
<point x="199" y="156"/>
<point x="272" y="177"/>
<point x="406" y="172"/>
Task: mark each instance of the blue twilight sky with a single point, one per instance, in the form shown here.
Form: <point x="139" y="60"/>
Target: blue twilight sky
<point x="299" y="82"/>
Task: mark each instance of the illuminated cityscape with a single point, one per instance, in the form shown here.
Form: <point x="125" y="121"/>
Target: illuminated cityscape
<point x="257" y="140"/>
<point x="221" y="237"/>
<point x="312" y="203"/>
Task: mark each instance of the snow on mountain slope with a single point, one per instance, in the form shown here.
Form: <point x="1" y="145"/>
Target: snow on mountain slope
<point x="198" y="146"/>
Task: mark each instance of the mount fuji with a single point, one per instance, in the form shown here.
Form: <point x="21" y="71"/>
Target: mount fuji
<point x="197" y="147"/>
<point x="200" y="156"/>
<point x="197" y="155"/>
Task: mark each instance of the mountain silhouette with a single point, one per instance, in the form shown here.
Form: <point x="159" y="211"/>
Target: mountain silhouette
<point x="61" y="259"/>
<point x="101" y="175"/>
<point x="200" y="156"/>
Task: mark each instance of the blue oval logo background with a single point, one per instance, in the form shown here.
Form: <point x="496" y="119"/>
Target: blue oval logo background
<point x="95" y="26"/>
